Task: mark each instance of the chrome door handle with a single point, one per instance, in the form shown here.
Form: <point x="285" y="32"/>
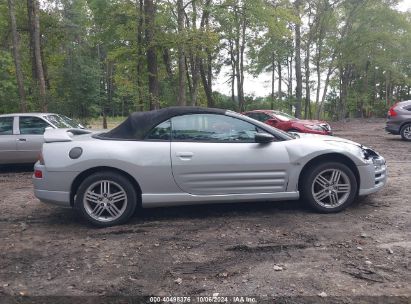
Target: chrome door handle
<point x="21" y="139"/>
<point x="185" y="155"/>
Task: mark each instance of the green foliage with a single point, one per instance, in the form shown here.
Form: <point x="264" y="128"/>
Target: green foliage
<point x="8" y="86"/>
<point x="95" y="63"/>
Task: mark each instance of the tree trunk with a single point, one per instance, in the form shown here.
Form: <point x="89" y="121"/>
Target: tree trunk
<point x="233" y="69"/>
<point x="207" y="86"/>
<point x="33" y="11"/>
<point x="280" y="80"/>
<point x="239" y="48"/>
<point x="194" y="59"/>
<point x="364" y="97"/>
<point x="290" y="75"/>
<point x="307" y="107"/>
<point x="318" y="70"/>
<point x="272" y="81"/>
<point x="195" y="75"/>
<point x="16" y="56"/>
<point x="207" y="72"/>
<point x="31" y="34"/>
<point x="319" y="51"/>
<point x="168" y="63"/>
<point x="242" y="49"/>
<point x="298" y="74"/>
<point x="327" y="81"/>
<point x="181" y="56"/>
<point x="140" y="54"/>
<point x="345" y="79"/>
<point x="152" y="67"/>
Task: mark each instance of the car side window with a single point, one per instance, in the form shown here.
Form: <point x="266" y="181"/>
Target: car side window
<point x="259" y="116"/>
<point x="252" y="115"/>
<point x="6" y="125"/>
<point x="32" y="125"/>
<point x="264" y="117"/>
<point x="212" y="128"/>
<point x="160" y="132"/>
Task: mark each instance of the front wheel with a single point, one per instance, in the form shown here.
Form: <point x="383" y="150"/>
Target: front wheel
<point x="106" y="199"/>
<point x="406" y="132"/>
<point x="329" y="187"/>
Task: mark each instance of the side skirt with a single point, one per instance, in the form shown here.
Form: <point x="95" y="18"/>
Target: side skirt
<point x="180" y="199"/>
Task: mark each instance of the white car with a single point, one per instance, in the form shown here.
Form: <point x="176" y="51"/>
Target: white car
<point x="186" y="155"/>
<point x="21" y="135"/>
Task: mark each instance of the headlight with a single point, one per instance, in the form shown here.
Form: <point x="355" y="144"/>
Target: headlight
<point x="314" y="127"/>
<point x="378" y="163"/>
<point x="373" y="157"/>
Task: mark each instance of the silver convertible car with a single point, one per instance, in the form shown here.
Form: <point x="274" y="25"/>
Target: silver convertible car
<point x="185" y="155"/>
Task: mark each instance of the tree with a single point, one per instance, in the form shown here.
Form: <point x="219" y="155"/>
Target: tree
<point x="181" y="56"/>
<point x="16" y="56"/>
<point x="152" y="68"/>
<point x="298" y="74"/>
<point x="34" y="26"/>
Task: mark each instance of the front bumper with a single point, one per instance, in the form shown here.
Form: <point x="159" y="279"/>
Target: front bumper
<point x="373" y="176"/>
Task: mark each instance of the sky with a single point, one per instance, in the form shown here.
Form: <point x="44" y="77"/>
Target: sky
<point x="261" y="85"/>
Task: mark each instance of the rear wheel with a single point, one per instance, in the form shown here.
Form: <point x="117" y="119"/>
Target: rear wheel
<point x="106" y="199"/>
<point x="329" y="187"/>
<point x="406" y="132"/>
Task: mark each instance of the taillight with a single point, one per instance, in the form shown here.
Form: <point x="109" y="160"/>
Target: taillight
<point x="391" y="111"/>
<point x="38" y="174"/>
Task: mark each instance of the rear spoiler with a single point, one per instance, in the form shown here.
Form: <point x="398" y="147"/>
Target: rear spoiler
<point x="62" y="135"/>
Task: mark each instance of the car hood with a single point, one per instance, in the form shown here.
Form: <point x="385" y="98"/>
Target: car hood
<point x="327" y="138"/>
<point x="308" y="146"/>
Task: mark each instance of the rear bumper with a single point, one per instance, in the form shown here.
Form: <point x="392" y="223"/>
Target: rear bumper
<point x="393" y="127"/>
<point x="60" y="198"/>
<point x="53" y="187"/>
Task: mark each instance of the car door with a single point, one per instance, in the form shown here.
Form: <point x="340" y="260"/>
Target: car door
<point x="30" y="138"/>
<point x="214" y="154"/>
<point x="8" y="144"/>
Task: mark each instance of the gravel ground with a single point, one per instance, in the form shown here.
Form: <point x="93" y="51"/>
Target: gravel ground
<point x="274" y="249"/>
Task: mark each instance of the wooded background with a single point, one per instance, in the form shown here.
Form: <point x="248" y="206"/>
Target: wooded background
<point x="84" y="58"/>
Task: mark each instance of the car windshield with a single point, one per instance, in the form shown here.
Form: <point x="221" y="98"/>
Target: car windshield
<point x="61" y="121"/>
<point x="284" y="116"/>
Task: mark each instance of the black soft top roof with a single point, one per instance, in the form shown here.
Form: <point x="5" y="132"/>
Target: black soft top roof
<point x="138" y="124"/>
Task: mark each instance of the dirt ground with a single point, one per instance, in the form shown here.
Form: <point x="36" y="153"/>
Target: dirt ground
<point x="273" y="249"/>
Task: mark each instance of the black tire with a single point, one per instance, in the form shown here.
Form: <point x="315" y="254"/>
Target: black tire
<point x="406" y="132"/>
<point x="309" y="185"/>
<point x="118" y="182"/>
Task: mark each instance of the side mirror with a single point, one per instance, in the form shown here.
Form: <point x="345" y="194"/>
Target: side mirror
<point x="263" y="138"/>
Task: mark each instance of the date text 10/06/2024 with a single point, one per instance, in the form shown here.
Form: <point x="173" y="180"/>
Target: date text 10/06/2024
<point x="203" y="299"/>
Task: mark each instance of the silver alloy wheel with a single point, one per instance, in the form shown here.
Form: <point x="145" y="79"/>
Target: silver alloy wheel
<point x="331" y="188"/>
<point x="105" y="200"/>
<point x="407" y="132"/>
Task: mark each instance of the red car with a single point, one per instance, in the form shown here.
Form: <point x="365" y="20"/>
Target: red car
<point x="288" y="123"/>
